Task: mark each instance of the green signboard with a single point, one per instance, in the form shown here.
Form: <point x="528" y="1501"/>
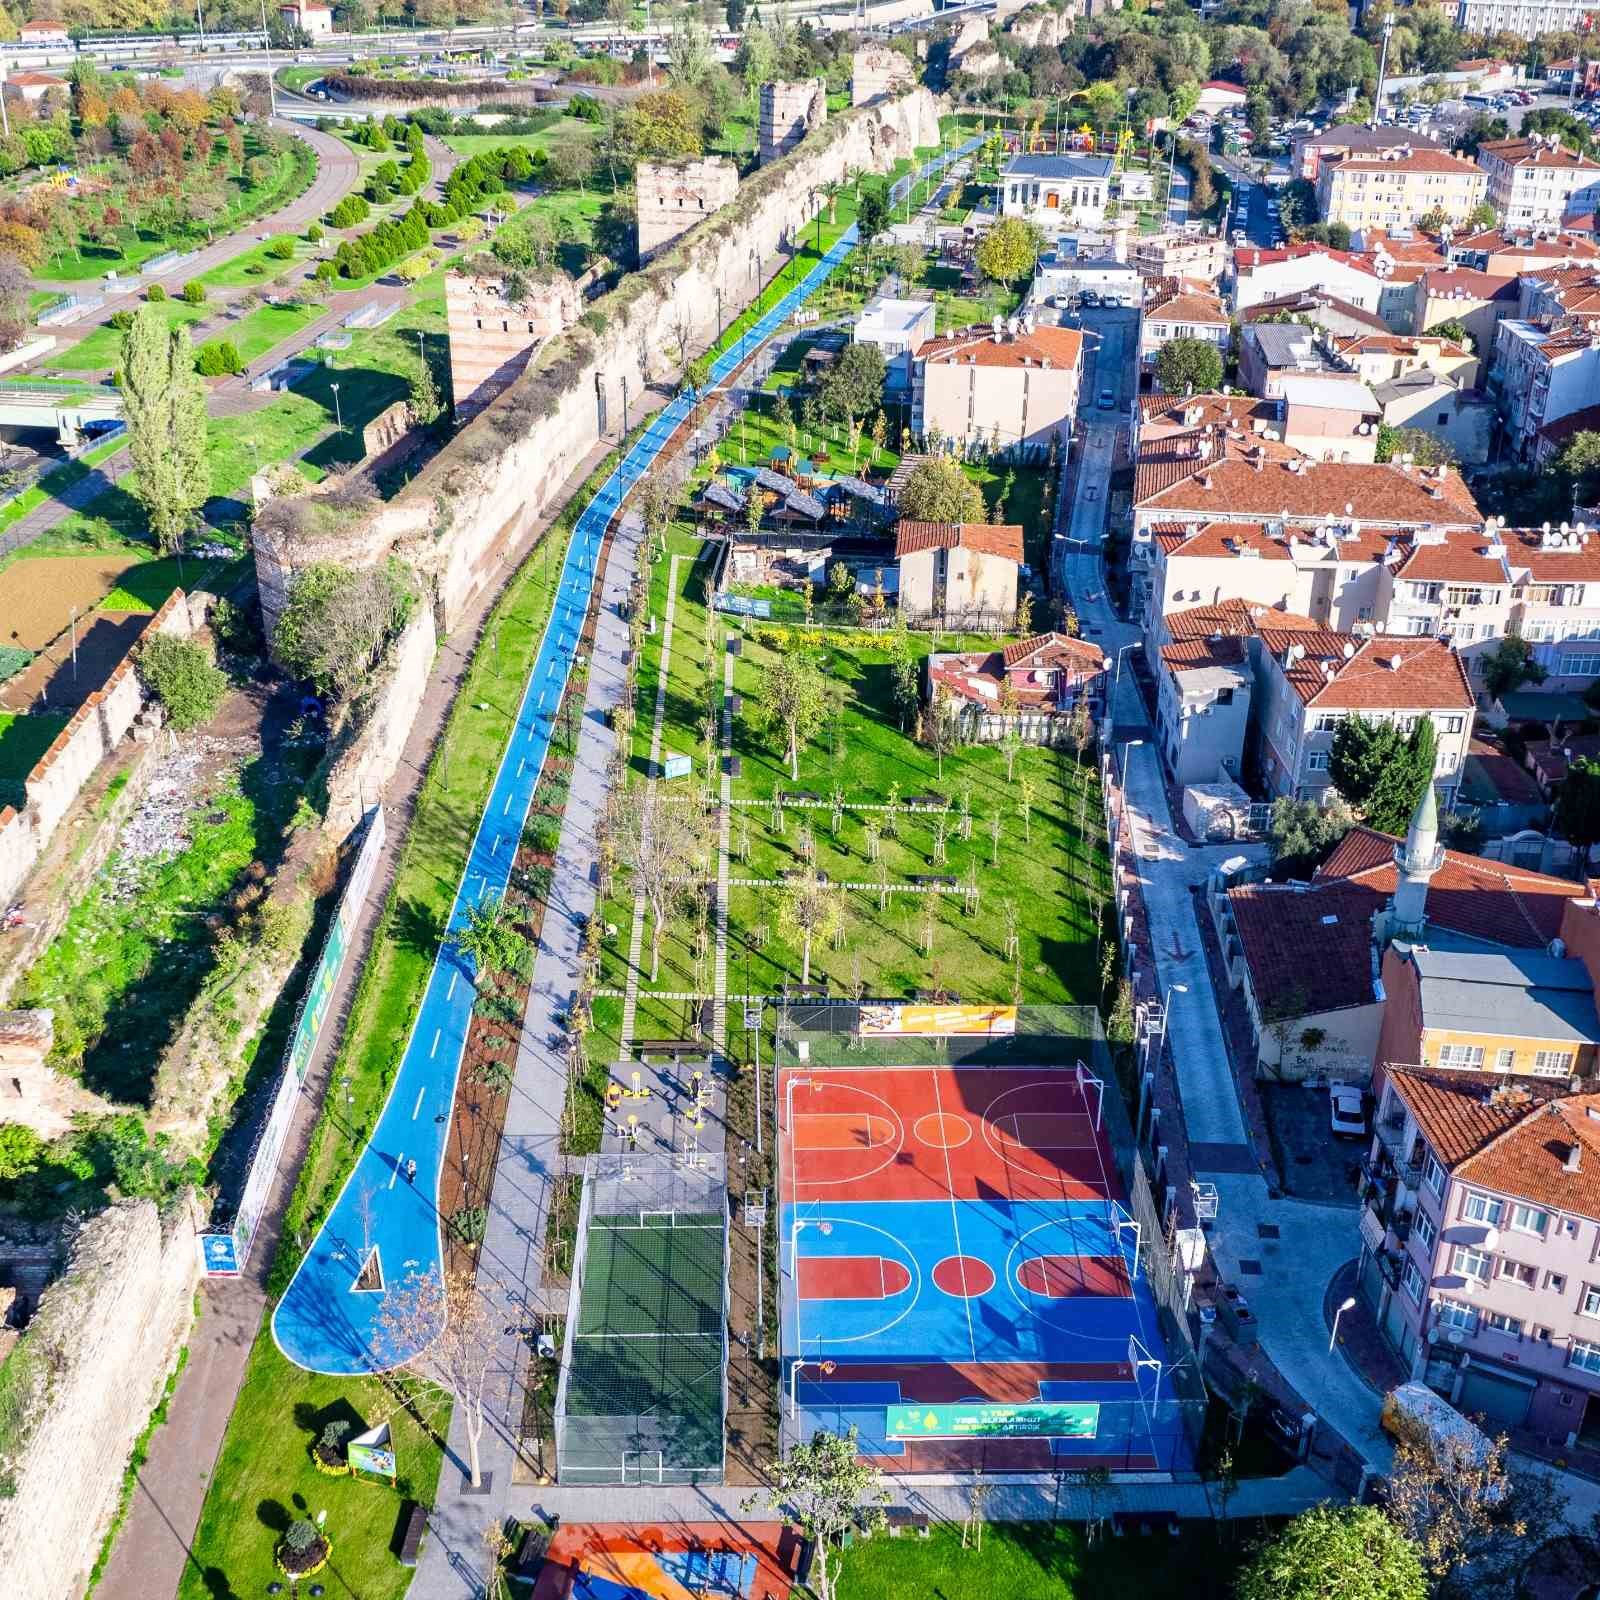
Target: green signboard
<point x="984" y="1421"/>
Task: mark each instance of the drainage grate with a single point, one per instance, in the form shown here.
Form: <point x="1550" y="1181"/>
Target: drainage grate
<point x="1268" y="1230"/>
<point x="1250" y="1269"/>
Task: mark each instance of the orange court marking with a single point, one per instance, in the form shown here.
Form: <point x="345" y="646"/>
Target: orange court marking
<point x="1068" y="1277"/>
<point x="942" y="1130"/>
<point x="841" y="1130"/>
<point x="851" y="1277"/>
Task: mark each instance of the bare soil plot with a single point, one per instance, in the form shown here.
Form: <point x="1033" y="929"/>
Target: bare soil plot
<point x="38" y="594"/>
<point x="53" y="683"/>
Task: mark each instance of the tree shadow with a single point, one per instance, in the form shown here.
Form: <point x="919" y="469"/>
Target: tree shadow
<point x="417" y="927"/>
<point x="273" y="1515"/>
<point x="218" y="1585"/>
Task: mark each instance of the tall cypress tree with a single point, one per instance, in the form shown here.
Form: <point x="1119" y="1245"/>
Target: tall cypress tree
<point x="164" y="404"/>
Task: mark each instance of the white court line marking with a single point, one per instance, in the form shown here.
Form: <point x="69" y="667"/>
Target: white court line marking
<point x="452" y="989"/>
<point x="422" y="1090"/>
<point x="433" y="1049"/>
<point x="507" y="806"/>
<point x="955" y="1217"/>
<point x="396" y="1173"/>
<point x="494" y="849"/>
<point x="520" y="765"/>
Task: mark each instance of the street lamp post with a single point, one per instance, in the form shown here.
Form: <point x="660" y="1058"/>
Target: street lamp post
<point x="1166" y="1012"/>
<point x="1348" y="1305"/>
<point x="1116" y="681"/>
<point x="338" y="415"/>
<point x="1128" y="744"/>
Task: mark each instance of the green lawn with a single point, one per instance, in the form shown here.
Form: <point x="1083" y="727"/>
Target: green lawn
<point x="102" y="349"/>
<point x="23" y="739"/>
<point x="264" y="1478"/>
<point x="471" y="144"/>
<point x="1039" y="1561"/>
<point x="51" y="484"/>
<point x="146" y="587"/>
<point x="254" y="335"/>
<point x="255" y="266"/>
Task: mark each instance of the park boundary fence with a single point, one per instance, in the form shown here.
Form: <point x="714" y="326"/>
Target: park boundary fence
<point x="643" y="1395"/>
<point x="225" y="1245"/>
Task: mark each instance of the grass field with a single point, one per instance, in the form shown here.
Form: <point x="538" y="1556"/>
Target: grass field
<point x="51" y="484"/>
<point x="23" y="739"/>
<point x="254" y="335"/>
<point x="102" y="349"/>
<point x="255" y="266"/>
<point x="264" y="1478"/>
<point x="1039" y="1561"/>
<point x="146" y="587"/>
<point x="472" y="144"/>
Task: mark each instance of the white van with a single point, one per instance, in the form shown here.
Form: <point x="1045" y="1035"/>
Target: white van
<point x="1450" y="1434"/>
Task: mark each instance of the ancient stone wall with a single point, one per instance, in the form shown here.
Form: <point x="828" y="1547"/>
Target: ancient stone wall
<point x="789" y="111"/>
<point x="96" y="1356"/>
<point x="876" y="71"/>
<point x="675" y="196"/>
<point x="493" y="337"/>
<point x="94" y="732"/>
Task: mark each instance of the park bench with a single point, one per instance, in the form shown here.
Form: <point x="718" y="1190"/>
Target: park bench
<point x="939" y="880"/>
<point x="930" y="801"/>
<point x="800" y="797"/>
<point x="530" y="1553"/>
<point x="901" y="1521"/>
<point x="1144" y="1523"/>
<point x="677" y="1049"/>
<point x="411" y="1539"/>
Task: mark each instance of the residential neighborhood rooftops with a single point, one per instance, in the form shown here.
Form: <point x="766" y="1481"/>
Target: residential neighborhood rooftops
<point x="1460" y="557"/>
<point x="1032" y="667"/>
<point x="1336" y="672"/>
<point x="1168" y="413"/>
<point x="1458" y="1116"/>
<point x="1490" y="901"/>
<point x="1237" y="617"/>
<point x="1491" y="775"/>
<point x="1537" y="152"/>
<point x="1522" y="992"/>
<point x="1330" y="392"/>
<point x="1359" y="136"/>
<point x="1306" y="303"/>
<point x="1409" y="157"/>
<point x="1308" y="947"/>
<point x="1174" y="300"/>
<point x="988" y="538"/>
<point x="1204" y="651"/>
<point x="1038" y="347"/>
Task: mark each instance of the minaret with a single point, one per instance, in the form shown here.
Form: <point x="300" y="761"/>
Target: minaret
<point x="1415" y="862"/>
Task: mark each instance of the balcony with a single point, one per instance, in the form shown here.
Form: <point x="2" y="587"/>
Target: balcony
<point x="1402" y="1149"/>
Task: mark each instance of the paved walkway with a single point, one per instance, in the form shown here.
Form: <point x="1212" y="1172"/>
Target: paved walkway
<point x="150" y="1553"/>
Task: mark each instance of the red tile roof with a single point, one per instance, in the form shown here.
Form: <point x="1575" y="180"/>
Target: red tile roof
<point x="1509" y="779"/>
<point x="1335" y="672"/>
<point x="1052" y="649"/>
<point x="1396" y="344"/>
<point x="1405" y="159"/>
<point x="1172" y="413"/>
<point x="988" y="538"/>
<point x="1460" y="558"/>
<point x="1459" y="1116"/>
<point x="1307" y="301"/>
<point x="1442" y="281"/>
<point x="1045" y="346"/>
<point x="1173" y="302"/>
<point x="1238" y="618"/>
<point x="1525" y="552"/>
<point x="1186" y="654"/>
<point x="1561" y="431"/>
<point x="976" y="676"/>
<point x="1308" y="948"/>
<point x="1536" y="153"/>
<point x="1480" y="899"/>
<point x="1528" y="1161"/>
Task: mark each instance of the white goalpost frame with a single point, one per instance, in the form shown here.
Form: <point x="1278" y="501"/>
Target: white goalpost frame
<point x="1120" y="1219"/>
<point x="1085" y="1078"/>
<point x="1139" y="1357"/>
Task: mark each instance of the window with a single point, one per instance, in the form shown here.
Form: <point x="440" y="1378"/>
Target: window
<point x="1540" y="1332"/>
<point x="1461" y="1055"/>
<point x="1452" y="1314"/>
<point x="1584" y="1356"/>
<point x="1556" y="1282"/>
<point x="1589" y="1305"/>
<point x="1480" y="1207"/>
<point x="1501" y="1323"/>
<point x="1317" y="761"/>
<point x="1576" y="666"/>
<point x="1470" y="1263"/>
<point x="1519" y="1273"/>
<point x="1433" y="1175"/>
<point x="1444" y="420"/>
<point x="1504" y="1060"/>
<point x="1411" y="1281"/>
<point x="1425" y="1231"/>
<point x="1327" y="721"/>
<point x="1553" y="1063"/>
<point x="1529" y="1219"/>
<point x="1450" y="724"/>
<point x="1224" y="697"/>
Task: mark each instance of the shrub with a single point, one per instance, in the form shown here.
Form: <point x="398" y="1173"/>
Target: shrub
<point x="180" y="674"/>
<point x="155" y="294"/>
<point x="314" y="233"/>
<point x="195" y="292"/>
<point x="281" y="249"/>
<point x="469" y="1224"/>
<point x="121" y="320"/>
<point x="333" y="1436"/>
<point x="216" y="357"/>
<point x="300" y="1535"/>
<point x="350" y="212"/>
<point x="237" y="628"/>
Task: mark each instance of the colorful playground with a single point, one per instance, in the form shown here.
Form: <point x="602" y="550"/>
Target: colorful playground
<point x="689" y="1561"/>
<point x="961" y="1275"/>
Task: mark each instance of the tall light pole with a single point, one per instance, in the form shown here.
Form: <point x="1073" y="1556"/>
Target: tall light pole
<point x="266" y="38"/>
<point x="1383" y="66"/>
<point x="1137" y="644"/>
<point x="1128" y="744"/>
<point x="338" y="416"/>
<point x="1349" y="1305"/>
<point x="1166" y="1011"/>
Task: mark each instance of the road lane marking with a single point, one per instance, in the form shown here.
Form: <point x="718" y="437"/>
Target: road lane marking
<point x="397" y="1165"/>
<point x="421" y="1091"/>
<point x="433" y="1049"/>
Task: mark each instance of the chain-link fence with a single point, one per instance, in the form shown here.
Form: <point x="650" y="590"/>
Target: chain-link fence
<point x="644" y="1376"/>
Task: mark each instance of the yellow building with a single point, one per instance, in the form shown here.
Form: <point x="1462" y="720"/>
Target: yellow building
<point x="1397" y="188"/>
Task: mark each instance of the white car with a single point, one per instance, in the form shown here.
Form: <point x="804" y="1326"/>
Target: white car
<point x="1346" y="1113"/>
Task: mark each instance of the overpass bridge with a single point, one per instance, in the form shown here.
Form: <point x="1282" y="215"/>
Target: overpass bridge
<point x="68" y="408"/>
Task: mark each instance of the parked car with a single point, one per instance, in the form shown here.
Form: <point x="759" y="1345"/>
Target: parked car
<point x="1346" y="1111"/>
<point x="1107" y="400"/>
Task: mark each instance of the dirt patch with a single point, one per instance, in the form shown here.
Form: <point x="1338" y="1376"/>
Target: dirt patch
<point x="60" y="679"/>
<point x="37" y="595"/>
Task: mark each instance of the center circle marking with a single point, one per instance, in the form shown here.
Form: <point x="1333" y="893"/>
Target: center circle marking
<point x="942" y="1130"/>
<point x="964" y="1277"/>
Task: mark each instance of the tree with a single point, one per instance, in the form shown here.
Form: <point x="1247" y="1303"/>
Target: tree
<point x="1579" y="464"/>
<point x="1361" y="751"/>
<point x="872" y="214"/>
<point x="1188" y="366"/>
<point x="664" y="847"/>
<point x="1577" y="812"/>
<point x="181" y="675"/>
<point x="809" y="908"/>
<point x="854" y="384"/>
<point x="1009" y="250"/>
<point x="794" y="699"/>
<point x="827" y="1490"/>
<point x="1424" y="448"/>
<point x="662" y="124"/>
<point x="490" y="938"/>
<point x="1303" y="833"/>
<point x="941" y="731"/>
<point x="444" y="1333"/>
<point x="1397" y="792"/>
<point x="164" y="404"/>
<point x="1510" y="665"/>
<point x="20" y="1151"/>
<point x="338" y="622"/>
<point x="1336" y="1553"/>
<point x="939" y="491"/>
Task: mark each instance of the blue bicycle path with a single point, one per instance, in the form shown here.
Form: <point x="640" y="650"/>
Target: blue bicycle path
<point x="324" y="1323"/>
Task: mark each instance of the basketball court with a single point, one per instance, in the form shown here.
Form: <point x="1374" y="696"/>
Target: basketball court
<point x="961" y="1275"/>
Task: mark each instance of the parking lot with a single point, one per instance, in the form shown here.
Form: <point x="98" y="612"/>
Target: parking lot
<point x="1312" y="1164"/>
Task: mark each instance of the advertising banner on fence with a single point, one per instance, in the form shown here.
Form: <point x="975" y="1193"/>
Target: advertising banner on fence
<point x="372" y="1452"/>
<point x="988" y="1421"/>
<point x="880" y="1022"/>
<point x="224" y="1250"/>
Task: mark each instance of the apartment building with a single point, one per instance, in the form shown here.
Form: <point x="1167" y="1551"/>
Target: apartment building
<point x="1527" y="19"/>
<point x="1268" y="351"/>
<point x="1397" y="188"/>
<point x="1260" y="274"/>
<point x="1345" y="139"/>
<point x="1477" y="300"/>
<point x="1378" y="357"/>
<point x="1175" y="308"/>
<point x="1441" y="406"/>
<point x="1203" y="256"/>
<point x="1311" y="682"/>
<point x="1330" y="416"/>
<point x="1542" y="371"/>
<point x="1052" y="191"/>
<point x="959" y="571"/>
<point x="1480" y="1230"/>
<point x="1015" y="391"/>
<point x="1313" y="308"/>
<point x="1203" y="689"/>
<point x="1536" y="182"/>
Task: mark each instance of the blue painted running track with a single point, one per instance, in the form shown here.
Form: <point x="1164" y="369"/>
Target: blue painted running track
<point x="323" y="1323"/>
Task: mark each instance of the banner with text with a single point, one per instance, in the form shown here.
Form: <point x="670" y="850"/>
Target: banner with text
<point x="878" y="1022"/>
<point x="974" y="1420"/>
